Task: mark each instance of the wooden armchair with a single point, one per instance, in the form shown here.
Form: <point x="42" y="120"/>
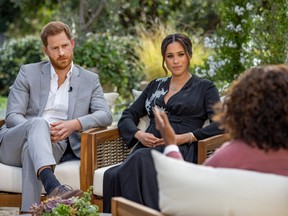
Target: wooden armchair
<point x="12" y="198"/>
<point x="108" y="148"/>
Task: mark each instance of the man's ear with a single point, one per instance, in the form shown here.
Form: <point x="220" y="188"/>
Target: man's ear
<point x="73" y="42"/>
<point x="44" y="50"/>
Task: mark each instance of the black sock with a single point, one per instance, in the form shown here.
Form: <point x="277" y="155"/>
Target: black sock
<point x="48" y="180"/>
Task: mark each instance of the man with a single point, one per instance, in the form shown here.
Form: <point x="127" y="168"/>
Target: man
<point x="49" y="103"/>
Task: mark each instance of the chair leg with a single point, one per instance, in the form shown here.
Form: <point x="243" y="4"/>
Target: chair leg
<point x="10" y="200"/>
<point x="96" y="200"/>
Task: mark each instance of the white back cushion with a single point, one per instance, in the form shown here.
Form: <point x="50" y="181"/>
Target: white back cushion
<point x="111" y="97"/>
<point x="190" y="189"/>
<point x="144" y="121"/>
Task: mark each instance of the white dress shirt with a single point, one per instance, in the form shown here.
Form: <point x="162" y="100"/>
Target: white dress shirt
<point x="56" y="108"/>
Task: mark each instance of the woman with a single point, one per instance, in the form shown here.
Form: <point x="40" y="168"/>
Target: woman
<point x="188" y="102"/>
<point x="256" y="116"/>
<point x="186" y="99"/>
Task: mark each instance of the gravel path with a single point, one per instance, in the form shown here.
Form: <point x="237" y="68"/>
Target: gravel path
<point x="9" y="211"/>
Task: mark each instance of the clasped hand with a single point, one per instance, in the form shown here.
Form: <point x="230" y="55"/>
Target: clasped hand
<point x="62" y="129"/>
<point x="148" y="139"/>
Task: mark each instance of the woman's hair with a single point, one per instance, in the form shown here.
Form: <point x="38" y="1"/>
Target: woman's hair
<point x="256" y="108"/>
<point x="182" y="39"/>
<point x="54" y="28"/>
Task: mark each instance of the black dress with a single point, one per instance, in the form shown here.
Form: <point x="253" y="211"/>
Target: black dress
<point x="187" y="111"/>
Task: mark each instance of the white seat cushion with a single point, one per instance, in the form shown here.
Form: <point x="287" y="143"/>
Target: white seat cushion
<point x="191" y="189"/>
<point x="98" y="179"/>
<point x="67" y="173"/>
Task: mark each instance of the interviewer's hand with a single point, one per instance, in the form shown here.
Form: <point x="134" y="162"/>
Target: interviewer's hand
<point x="164" y="126"/>
<point x="62" y="129"/>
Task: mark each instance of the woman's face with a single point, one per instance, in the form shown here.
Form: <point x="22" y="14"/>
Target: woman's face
<point x="176" y="59"/>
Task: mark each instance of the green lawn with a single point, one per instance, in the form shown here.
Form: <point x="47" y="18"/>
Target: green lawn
<point x="3" y="102"/>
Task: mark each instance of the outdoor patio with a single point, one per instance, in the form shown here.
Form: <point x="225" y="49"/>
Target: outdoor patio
<point x="11" y="211"/>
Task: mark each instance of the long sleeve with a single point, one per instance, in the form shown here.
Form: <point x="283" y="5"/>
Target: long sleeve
<point x="211" y="97"/>
<point x="173" y="151"/>
<point x="130" y="119"/>
<point x="18" y="100"/>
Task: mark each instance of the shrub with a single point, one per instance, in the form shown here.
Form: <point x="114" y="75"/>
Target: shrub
<point x="114" y="59"/>
<point x="232" y="53"/>
<point x="250" y="33"/>
<point x="13" y="54"/>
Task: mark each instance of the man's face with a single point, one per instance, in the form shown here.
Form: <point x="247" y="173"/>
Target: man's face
<point x="60" y="51"/>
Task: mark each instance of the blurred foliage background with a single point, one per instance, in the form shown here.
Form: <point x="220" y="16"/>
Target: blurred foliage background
<point x="120" y="39"/>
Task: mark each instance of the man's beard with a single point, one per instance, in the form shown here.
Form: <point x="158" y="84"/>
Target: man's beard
<point x="58" y="65"/>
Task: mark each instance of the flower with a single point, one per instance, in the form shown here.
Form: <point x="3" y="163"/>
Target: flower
<point x="75" y="206"/>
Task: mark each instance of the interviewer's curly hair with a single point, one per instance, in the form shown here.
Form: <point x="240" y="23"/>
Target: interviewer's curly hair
<point x="256" y="108"/>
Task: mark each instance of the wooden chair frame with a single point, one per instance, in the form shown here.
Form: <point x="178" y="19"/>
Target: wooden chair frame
<point x="125" y="207"/>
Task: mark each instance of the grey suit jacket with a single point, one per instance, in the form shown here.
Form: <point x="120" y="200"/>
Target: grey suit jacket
<point x="29" y="94"/>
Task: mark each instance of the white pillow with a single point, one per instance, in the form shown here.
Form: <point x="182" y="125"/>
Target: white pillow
<point x="144" y="121"/>
<point x="191" y="189"/>
<point x="111" y="97"/>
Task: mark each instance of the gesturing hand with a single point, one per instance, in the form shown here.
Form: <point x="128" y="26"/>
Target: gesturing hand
<point x="164" y="126"/>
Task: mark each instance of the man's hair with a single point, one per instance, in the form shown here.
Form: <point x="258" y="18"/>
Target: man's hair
<point x="182" y="39"/>
<point x="54" y="28"/>
<point x="256" y="108"/>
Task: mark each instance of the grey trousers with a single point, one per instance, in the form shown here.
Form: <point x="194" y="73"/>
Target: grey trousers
<point x="28" y="145"/>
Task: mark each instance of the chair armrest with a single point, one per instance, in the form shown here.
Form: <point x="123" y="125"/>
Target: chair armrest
<point x="207" y="146"/>
<point x="100" y="148"/>
<point x="125" y="207"/>
<point x="86" y="174"/>
<point x="2" y="122"/>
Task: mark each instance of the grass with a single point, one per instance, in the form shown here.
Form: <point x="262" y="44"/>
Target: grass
<point x="3" y="102"/>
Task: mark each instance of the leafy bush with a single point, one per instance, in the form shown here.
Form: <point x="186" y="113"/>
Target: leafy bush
<point x="270" y="36"/>
<point x="250" y="33"/>
<point x="230" y="45"/>
<point x="114" y="59"/>
<point x="13" y="54"/>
